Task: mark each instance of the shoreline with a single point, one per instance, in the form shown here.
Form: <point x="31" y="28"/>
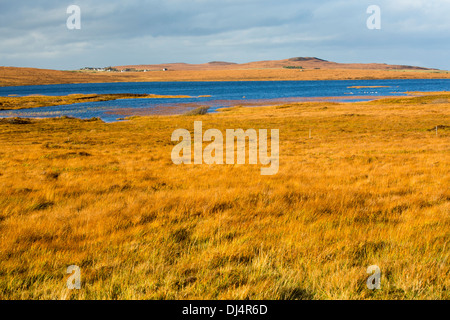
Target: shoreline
<point x="39" y="101"/>
<point x="181" y="109"/>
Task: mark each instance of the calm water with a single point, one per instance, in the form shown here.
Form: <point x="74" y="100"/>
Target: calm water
<point x="221" y="94"/>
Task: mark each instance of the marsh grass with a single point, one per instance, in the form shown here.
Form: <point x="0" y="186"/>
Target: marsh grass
<point x="365" y="190"/>
<point x="198" y="111"/>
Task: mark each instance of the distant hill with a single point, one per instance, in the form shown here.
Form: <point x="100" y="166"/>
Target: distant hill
<point x="298" y="68"/>
<point x="304" y="62"/>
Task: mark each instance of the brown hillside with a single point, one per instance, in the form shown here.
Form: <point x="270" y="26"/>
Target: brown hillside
<point x="312" y="69"/>
<point x="304" y="62"/>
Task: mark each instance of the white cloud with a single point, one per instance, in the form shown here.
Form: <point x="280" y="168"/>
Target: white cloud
<point x="33" y="33"/>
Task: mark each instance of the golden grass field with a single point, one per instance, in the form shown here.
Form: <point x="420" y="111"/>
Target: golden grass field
<point x="369" y="188"/>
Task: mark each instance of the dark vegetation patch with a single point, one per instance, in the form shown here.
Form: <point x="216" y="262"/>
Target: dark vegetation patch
<point x="69" y="155"/>
<point x="295" y="294"/>
<point x="440" y="127"/>
<point x="199" y="111"/>
<point x="15" y="121"/>
<point x="41" y="205"/>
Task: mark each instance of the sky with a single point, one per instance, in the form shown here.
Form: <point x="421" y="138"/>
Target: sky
<point x="34" y="33"/>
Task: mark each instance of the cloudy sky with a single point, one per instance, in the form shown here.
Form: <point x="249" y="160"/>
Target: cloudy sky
<point x="33" y="33"/>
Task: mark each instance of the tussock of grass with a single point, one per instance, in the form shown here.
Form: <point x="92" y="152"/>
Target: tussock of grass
<point x="198" y="111"/>
<point x="364" y="190"/>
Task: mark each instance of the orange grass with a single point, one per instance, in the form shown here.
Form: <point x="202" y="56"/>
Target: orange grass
<point x="369" y="188"/>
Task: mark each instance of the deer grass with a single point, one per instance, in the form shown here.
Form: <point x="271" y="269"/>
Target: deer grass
<point x="369" y="188"/>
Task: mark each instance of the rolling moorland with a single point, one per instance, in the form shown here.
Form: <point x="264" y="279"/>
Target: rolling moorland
<point x="312" y="69"/>
<point x="370" y="187"/>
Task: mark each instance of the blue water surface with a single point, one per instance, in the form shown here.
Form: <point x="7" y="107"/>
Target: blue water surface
<point x="221" y="94"/>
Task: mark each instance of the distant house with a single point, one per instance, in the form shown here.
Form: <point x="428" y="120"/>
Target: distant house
<point x="93" y="69"/>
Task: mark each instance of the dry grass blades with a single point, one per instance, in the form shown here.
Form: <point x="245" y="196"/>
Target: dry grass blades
<point x="367" y="189"/>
